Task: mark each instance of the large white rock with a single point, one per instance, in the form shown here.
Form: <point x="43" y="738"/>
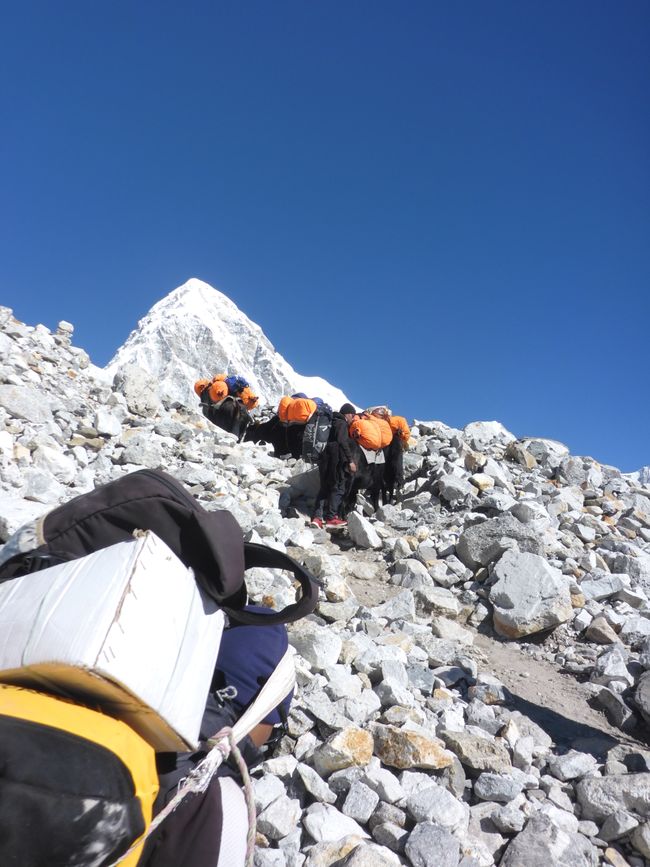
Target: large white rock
<point x="107" y="423"/>
<point x="542" y="844"/>
<point x="140" y="388"/>
<point x="482" y="433"/>
<point x="325" y="823"/>
<point x="62" y="467"/>
<point x="529" y="595"/>
<point x="601" y="796"/>
<point x="25" y="402"/>
<point x="319" y="645"/>
<point x="361" y="531"/>
<point x="484" y="543"/>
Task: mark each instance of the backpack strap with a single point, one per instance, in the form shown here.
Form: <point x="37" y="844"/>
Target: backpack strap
<point x="261" y="556"/>
<point x="275" y="690"/>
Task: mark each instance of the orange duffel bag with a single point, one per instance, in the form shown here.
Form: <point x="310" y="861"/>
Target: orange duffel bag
<point x="400" y="427"/>
<point x="248" y="397"/>
<point x="371" y="432"/>
<point x="386" y="431"/>
<point x="296" y="409"/>
<point x="283" y="407"/>
<point x="217" y="390"/>
<point x="211" y="390"/>
<point x="302" y="409"/>
<point x="200" y="385"/>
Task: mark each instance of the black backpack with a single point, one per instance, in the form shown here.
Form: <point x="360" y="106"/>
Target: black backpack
<point x="211" y="543"/>
<point x="316" y="435"/>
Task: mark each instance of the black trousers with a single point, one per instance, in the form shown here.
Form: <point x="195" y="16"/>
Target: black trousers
<point x="334" y="482"/>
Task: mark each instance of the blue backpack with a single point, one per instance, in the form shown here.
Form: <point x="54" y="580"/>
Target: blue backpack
<point x="236" y="384"/>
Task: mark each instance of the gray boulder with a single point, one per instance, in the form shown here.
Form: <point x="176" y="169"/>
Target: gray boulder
<point x="529" y="595"/>
<point x="601" y="796"/>
<point x="429" y="845"/>
<point x="25" y="402"/>
<point x="542" y="844"/>
<point x="140" y="389"/>
<point x="483" y="543"/>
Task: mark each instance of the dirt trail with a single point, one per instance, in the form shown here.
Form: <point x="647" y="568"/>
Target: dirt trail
<point x="557" y="702"/>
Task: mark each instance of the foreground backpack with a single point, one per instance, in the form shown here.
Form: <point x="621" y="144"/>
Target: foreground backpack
<point x="211" y="543"/>
<point x="76" y="786"/>
<point x="316" y="435"/>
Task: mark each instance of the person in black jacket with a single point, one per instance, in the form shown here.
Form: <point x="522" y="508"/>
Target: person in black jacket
<point x="336" y="468"/>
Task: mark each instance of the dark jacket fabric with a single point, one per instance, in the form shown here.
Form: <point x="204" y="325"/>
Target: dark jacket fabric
<point x="334" y="469"/>
<point x="340" y="435"/>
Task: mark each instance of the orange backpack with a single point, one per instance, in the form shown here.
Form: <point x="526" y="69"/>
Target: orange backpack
<point x="283" y="408"/>
<point x="296" y="409"/>
<point x="217" y="390"/>
<point x="371" y="432"/>
<point x="400" y="427"/>
<point x="302" y="409"/>
<point x="248" y="397"/>
<point x="200" y="385"/>
<point x="386" y="432"/>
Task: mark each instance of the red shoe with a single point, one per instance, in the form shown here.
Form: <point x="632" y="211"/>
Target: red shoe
<point x="316" y="522"/>
<point x="335" y="523"/>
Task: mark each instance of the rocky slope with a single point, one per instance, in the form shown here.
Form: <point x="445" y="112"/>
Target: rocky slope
<point x="503" y="556"/>
<point x="196" y="325"/>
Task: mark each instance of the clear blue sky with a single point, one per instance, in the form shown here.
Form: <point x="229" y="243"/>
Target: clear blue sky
<point x="443" y="207"/>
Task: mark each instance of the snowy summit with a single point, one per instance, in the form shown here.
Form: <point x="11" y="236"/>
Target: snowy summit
<point x="197" y="331"/>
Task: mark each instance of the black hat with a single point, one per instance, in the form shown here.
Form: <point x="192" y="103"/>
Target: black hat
<point x="347" y="408"/>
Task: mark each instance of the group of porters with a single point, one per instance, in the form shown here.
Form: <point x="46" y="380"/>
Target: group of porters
<point x="373" y="428"/>
<point x="83" y="782"/>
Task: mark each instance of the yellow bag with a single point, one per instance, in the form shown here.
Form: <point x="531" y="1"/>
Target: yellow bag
<point x="73" y="780"/>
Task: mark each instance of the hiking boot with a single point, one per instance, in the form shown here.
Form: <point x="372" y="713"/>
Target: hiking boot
<point x="317" y="522"/>
<point x="335" y="523"/>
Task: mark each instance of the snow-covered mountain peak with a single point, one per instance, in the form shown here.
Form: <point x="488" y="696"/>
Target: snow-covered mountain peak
<point x="197" y="297"/>
<point x="197" y="331"/>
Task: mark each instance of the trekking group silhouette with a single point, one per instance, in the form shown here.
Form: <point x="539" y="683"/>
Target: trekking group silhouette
<point x="354" y="450"/>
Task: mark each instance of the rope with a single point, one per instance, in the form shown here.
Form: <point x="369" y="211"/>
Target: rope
<point x="198" y="780"/>
<point x="248" y="793"/>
